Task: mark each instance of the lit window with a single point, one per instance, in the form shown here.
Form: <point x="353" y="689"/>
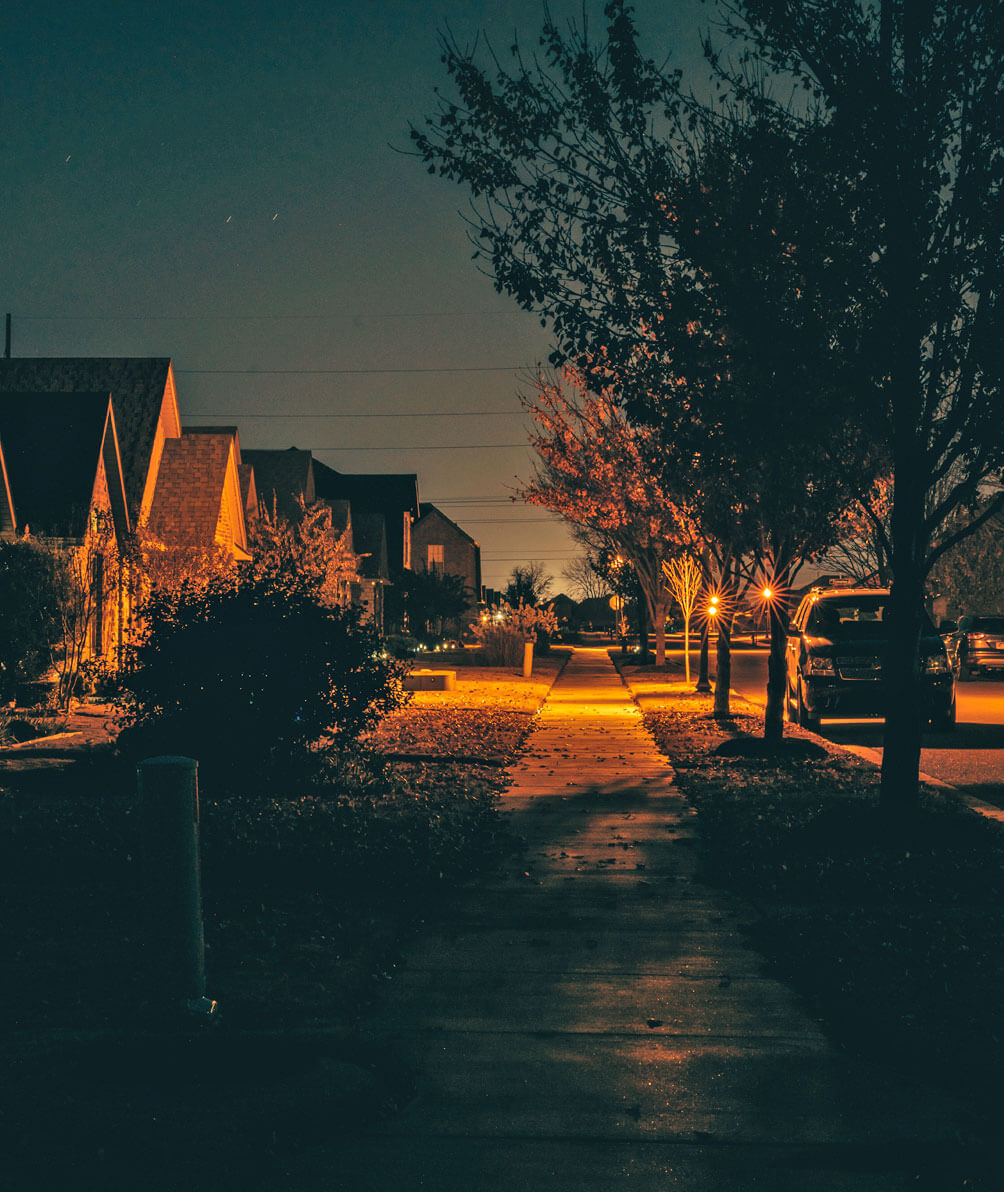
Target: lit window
<point x="434" y="561"/>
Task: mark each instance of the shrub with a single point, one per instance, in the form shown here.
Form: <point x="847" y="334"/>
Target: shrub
<point x="254" y="682"/>
<point x="505" y="630"/>
<point x="29" y="623"/>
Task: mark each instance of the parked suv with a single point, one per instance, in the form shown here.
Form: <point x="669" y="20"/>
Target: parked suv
<point x="835" y="650"/>
<point x="977" y="645"/>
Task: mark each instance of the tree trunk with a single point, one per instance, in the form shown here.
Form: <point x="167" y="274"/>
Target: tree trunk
<point x="901" y="672"/>
<point x="686" y="648"/>
<point x="643" y="626"/>
<point x="723" y="669"/>
<point x="703" y="682"/>
<point x="660" y="636"/>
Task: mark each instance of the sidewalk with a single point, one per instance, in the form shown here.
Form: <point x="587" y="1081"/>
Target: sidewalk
<point x="594" y="1017"/>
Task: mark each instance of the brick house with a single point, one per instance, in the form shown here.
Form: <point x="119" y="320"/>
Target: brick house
<point x="440" y="545"/>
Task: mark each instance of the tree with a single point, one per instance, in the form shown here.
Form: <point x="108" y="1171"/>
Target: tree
<point x="584" y="579"/>
<point x="970" y="576"/>
<point x="684" y="578"/>
<point x="30" y="621"/>
<point x="866" y="226"/>
<point x="529" y="583"/>
<point x="599" y="474"/>
<point x="425" y="600"/>
<point x="303" y="552"/>
<point x="674" y="251"/>
<point x="910" y="96"/>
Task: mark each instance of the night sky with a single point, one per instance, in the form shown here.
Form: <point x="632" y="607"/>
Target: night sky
<point x="226" y="184"/>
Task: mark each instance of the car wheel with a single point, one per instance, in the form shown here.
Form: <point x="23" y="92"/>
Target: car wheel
<point x="805" y="717"/>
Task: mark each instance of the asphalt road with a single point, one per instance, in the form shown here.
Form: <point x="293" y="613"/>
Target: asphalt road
<point x="971" y="757"/>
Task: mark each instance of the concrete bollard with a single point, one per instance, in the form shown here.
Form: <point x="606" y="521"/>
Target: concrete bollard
<point x="169" y="805"/>
<point x="527" y="659"/>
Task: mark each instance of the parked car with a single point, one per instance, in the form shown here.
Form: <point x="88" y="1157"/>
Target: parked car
<point x="977" y="645"/>
<point x="834" y="658"/>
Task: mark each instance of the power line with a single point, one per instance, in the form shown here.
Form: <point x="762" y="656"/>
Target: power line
<point x="447" y="447"/>
<point x="282" y="318"/>
<point x="423" y="414"/>
<point x="339" y="372"/>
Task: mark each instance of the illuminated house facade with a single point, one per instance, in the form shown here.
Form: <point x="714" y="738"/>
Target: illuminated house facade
<point x="95" y="460"/>
<point x="439" y="544"/>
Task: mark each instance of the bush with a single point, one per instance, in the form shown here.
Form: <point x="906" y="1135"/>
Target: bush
<point x="254" y="682"/>
<point x="505" y="630"/>
<point x="30" y="621"/>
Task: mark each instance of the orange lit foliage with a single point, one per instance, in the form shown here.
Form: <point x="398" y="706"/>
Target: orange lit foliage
<point x="603" y="476"/>
<point x="304" y="552"/>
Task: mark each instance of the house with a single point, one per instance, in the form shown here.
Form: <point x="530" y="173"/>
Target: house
<point x="393" y="496"/>
<point x="282" y="478"/>
<point x="152" y="479"/>
<point x="197" y="500"/>
<point x="384" y="510"/>
<point x="440" y="545"/>
<point x="144" y="401"/>
<point x="285" y="478"/>
<point x="61" y="468"/>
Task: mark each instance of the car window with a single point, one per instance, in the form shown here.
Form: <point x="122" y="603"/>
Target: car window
<point x="987" y="625"/>
<point x="834" y="618"/>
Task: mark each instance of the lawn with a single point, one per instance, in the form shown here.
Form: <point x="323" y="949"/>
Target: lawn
<point x="307" y="898"/>
<point x="895" y="939"/>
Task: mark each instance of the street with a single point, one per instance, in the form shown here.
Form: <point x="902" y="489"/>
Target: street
<point x="970" y="758"/>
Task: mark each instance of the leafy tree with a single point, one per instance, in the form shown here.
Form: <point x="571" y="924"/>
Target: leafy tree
<point x="863" y="228"/>
<point x="675" y="253"/>
<point x="303" y="553"/>
<point x="909" y="98"/>
<point x="425" y="600"/>
<point x="599" y="473"/>
<point x="529" y="583"/>
<point x="30" y="621"/>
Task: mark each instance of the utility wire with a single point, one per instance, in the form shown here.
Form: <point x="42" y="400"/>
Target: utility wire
<point x="423" y="414"/>
<point x="338" y="372"/>
<point x="411" y="447"/>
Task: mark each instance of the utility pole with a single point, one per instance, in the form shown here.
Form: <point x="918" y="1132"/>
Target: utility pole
<point x="6" y="350"/>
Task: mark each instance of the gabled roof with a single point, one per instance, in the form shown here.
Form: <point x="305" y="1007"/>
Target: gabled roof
<point x="284" y="476"/>
<point x="397" y="491"/>
<point x="53" y="447"/>
<point x="191" y="493"/>
<point x="218" y="430"/>
<point x="432" y="513"/>
<point x="140" y="387"/>
<point x="249" y="491"/>
<point x="391" y="495"/>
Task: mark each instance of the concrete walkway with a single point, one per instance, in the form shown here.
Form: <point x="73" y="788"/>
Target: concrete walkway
<point x="594" y="1018"/>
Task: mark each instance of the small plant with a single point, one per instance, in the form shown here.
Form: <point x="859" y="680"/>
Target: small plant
<point x="504" y="630"/>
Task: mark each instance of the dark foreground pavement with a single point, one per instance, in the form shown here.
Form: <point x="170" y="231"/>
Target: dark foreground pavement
<point x="594" y="1018"/>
